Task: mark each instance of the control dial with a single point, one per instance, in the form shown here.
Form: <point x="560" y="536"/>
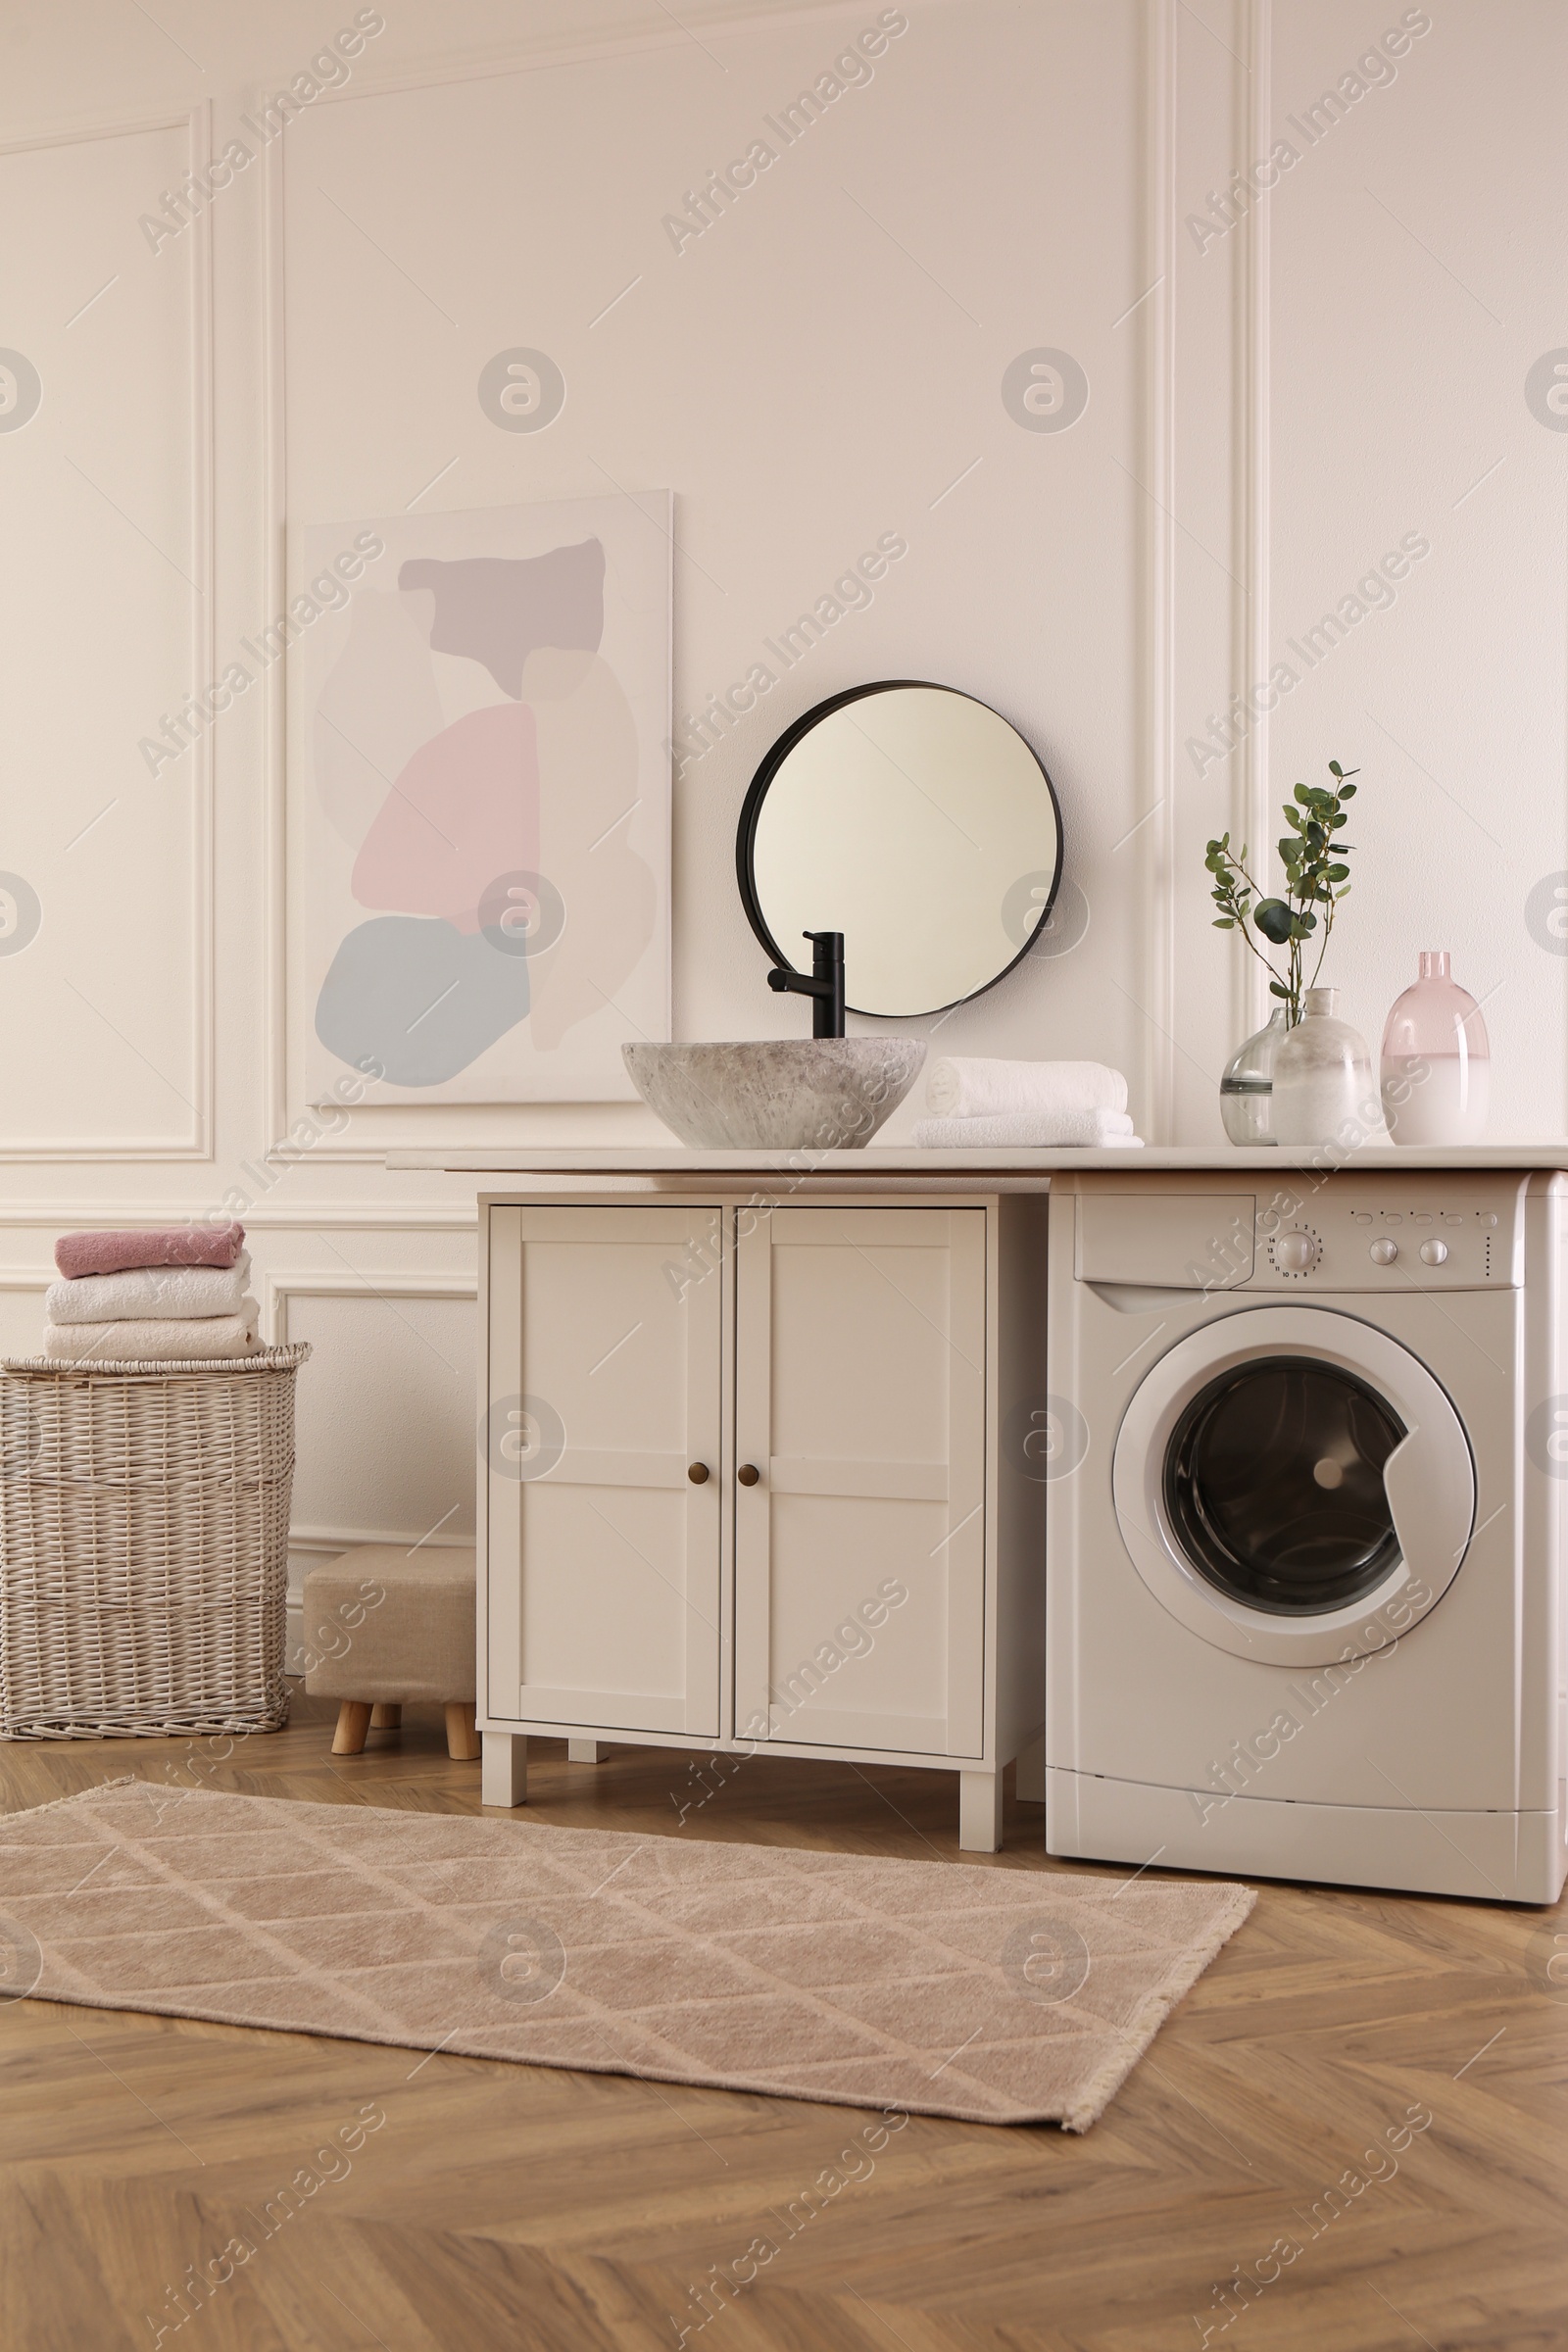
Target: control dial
<point x="1295" y="1253"/>
<point x="1434" y="1253"/>
<point x="1384" y="1250"/>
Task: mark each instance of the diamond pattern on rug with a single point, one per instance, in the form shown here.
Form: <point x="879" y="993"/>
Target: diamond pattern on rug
<point x="992" y="1995"/>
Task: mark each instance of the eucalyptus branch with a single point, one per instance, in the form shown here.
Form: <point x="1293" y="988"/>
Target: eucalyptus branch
<point x="1316" y="878"/>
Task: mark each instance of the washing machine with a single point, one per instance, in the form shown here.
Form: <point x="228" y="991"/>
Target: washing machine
<point x="1305" y="1473"/>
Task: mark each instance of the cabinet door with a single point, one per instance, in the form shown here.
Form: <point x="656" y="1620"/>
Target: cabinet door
<point x="605" y="1388"/>
<point x="859" y="1551"/>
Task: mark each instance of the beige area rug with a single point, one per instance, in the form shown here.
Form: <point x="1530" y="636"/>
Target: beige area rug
<point x="1002" y="1996"/>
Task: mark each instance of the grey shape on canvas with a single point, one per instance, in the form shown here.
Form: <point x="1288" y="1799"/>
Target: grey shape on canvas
<point x="418" y="997"/>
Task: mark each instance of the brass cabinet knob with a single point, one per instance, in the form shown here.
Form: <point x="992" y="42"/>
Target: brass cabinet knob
<point x="698" y="1474"/>
<point x="748" y="1474"/>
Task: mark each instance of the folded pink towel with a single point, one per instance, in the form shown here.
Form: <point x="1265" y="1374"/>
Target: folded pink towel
<point x="78" y="1254"/>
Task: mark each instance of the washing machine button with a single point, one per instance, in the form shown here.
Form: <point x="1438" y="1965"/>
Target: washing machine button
<point x="1295" y="1254"/>
<point x="1384" y="1251"/>
<point x="1433" y="1254"/>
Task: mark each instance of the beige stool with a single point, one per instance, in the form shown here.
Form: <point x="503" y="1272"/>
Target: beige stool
<point x="385" y="1626"/>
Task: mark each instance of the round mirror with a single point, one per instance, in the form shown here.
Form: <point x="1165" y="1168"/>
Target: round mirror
<point x="916" y="821"/>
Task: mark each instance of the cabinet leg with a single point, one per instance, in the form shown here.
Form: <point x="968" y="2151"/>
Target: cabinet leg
<point x="1031" y="1775"/>
<point x="980" y="1812"/>
<point x="504" y="1772"/>
<point x="584" y="1751"/>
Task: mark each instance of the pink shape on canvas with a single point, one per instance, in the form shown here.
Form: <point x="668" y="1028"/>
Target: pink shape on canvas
<point x="463" y="812"/>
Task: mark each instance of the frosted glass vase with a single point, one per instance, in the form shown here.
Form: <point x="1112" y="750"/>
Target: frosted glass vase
<point x="1246" y="1090"/>
<point x="1436" y="1061"/>
<point x="1322" y="1076"/>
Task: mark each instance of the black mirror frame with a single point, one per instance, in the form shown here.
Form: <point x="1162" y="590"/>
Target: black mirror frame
<point x="756" y="793"/>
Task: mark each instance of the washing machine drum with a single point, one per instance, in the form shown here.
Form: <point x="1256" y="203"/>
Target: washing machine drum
<point x="1293" y="1483"/>
<point x="1274" y="1484"/>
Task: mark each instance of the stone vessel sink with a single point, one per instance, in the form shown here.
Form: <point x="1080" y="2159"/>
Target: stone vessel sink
<point x="811" y="1093"/>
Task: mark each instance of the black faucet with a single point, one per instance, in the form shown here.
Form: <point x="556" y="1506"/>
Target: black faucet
<point x="825" y="987"/>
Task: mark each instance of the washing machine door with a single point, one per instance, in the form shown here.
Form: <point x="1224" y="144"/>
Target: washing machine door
<point x="1293" y="1486"/>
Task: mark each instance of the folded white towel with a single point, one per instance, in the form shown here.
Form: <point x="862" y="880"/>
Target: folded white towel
<point x="963" y="1087"/>
<point x="1030" y="1131"/>
<point x="150" y="1294"/>
<point x="157" y="1342"/>
<point x="1066" y="1126"/>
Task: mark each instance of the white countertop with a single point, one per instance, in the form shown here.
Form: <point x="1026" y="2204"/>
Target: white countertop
<point x="521" y="1159"/>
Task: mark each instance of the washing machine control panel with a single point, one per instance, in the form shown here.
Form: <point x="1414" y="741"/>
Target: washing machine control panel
<point x="1368" y="1231"/>
<point x="1387" y="1234"/>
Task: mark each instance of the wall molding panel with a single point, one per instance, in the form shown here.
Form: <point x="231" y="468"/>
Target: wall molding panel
<point x="406" y="1125"/>
<point x="1157" y="821"/>
<point x="553" y="48"/>
<point x="329" y="1216"/>
<point x="197" y="1145"/>
<point x="277" y="1289"/>
<point x="325" y="1542"/>
<point x="275" y="736"/>
<point x="314" y="1540"/>
<point x="1253" y="799"/>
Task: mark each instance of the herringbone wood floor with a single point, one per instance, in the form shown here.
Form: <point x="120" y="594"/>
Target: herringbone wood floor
<point x="503" y="2206"/>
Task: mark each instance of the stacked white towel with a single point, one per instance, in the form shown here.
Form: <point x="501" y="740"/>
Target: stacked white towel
<point x="980" y="1105"/>
<point x="159" y="1313"/>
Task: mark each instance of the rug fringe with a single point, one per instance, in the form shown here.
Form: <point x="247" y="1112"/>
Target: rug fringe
<point x="126" y="1779"/>
<point x="1102" y="2086"/>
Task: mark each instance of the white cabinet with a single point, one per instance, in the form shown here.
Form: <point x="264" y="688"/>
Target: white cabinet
<point x="745" y="1479"/>
<point x="604" y="1391"/>
<point x="859" y="1551"/>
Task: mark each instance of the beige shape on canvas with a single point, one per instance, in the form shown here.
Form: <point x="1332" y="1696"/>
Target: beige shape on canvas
<point x="378" y="705"/>
<point x="553" y="674"/>
<point x="464" y="686"/>
<point x="587" y="782"/>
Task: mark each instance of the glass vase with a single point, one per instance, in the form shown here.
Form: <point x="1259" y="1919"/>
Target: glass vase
<point x="1246" y="1090"/>
<point x="1322" y="1076"/>
<point x="1436" y="1061"/>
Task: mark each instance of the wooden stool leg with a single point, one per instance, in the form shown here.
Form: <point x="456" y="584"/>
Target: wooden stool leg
<point x="353" y="1722"/>
<point x="463" y="1741"/>
<point x="387" y="1717"/>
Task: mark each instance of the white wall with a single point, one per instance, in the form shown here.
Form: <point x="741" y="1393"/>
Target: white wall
<point x="1271" y="410"/>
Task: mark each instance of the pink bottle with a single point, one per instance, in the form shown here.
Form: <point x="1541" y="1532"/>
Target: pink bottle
<point x="1436" y="1061"/>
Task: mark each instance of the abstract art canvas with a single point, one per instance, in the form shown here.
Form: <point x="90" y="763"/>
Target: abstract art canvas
<point x="484" y="736"/>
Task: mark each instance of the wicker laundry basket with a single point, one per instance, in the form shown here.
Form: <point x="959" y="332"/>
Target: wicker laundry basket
<point x="144" y="1545"/>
